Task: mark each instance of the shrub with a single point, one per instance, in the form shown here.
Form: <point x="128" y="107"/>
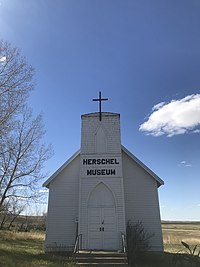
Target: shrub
<point x="137" y="241"/>
<point x="191" y="256"/>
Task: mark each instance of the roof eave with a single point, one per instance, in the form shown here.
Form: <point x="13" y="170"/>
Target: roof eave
<point x="47" y="182"/>
<point x="158" y="179"/>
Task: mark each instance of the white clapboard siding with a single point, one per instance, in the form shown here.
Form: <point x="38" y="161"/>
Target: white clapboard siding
<point x="141" y="199"/>
<point x="133" y="186"/>
<point x="90" y="126"/>
<point x="87" y="186"/>
<point x="63" y="208"/>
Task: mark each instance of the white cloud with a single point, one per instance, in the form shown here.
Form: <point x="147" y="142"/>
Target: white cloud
<point x="158" y="106"/>
<point x="22" y="187"/>
<point x="43" y="191"/>
<point x="188" y="165"/>
<point x="183" y="163"/>
<point x="198" y="205"/>
<point x="22" y="198"/>
<point x="176" y="117"/>
<point x="2" y="59"/>
<point x="196" y="131"/>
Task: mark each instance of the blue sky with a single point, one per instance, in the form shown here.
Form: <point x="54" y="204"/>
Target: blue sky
<point x="139" y="54"/>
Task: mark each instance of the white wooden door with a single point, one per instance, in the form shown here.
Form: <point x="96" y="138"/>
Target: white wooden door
<point x="102" y="232"/>
<point x="94" y="233"/>
<point x="109" y="228"/>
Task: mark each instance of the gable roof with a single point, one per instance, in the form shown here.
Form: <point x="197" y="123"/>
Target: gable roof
<point x="158" y="179"/>
<point x="125" y="150"/>
<point x="47" y="182"/>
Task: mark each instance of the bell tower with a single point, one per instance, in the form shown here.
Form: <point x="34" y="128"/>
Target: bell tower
<point x="101" y="193"/>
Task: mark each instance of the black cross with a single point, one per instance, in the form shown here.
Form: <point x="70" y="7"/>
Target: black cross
<point x="100" y="100"/>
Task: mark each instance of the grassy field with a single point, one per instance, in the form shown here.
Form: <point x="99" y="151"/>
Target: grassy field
<point x="26" y="249"/>
<point x="174" y="233"/>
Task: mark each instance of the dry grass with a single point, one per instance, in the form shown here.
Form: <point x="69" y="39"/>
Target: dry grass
<point x="173" y="234"/>
<point x="26" y="249"/>
<point x="12" y="235"/>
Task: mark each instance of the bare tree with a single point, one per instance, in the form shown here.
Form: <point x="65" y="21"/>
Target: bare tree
<point x="10" y="212"/>
<point x="22" y="154"/>
<point x="22" y="158"/>
<point x="16" y="81"/>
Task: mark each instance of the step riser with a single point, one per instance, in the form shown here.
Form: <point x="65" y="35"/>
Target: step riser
<point x="101" y="258"/>
<point x="102" y="264"/>
<point x="97" y="258"/>
<point x="80" y="255"/>
<point x="102" y="261"/>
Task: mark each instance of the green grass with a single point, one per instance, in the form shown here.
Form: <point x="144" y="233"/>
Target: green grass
<point x="26" y="250"/>
<point x="19" y="249"/>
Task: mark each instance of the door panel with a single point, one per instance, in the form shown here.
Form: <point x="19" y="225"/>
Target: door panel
<point x="102" y="222"/>
<point x="110" y="233"/>
<point x="94" y="233"/>
<point x="102" y="232"/>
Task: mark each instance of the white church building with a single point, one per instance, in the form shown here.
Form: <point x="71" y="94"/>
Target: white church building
<point x="99" y="189"/>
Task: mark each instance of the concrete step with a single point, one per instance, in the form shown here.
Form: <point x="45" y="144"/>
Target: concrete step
<point x="97" y="255"/>
<point x="101" y="258"/>
<point x="100" y="252"/>
<point x="85" y="264"/>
